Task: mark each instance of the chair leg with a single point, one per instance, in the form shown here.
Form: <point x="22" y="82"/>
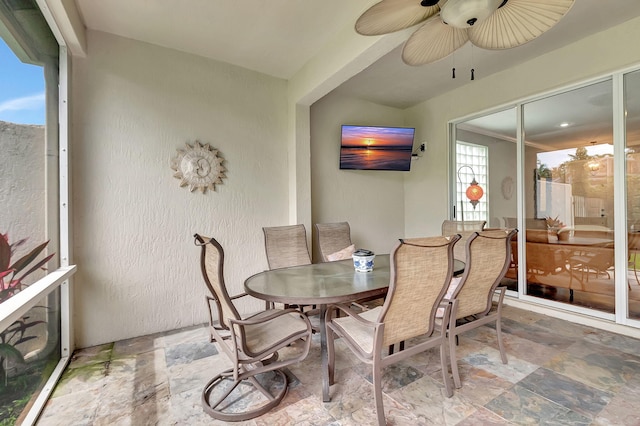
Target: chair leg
<point x="454" y="360"/>
<point x="331" y="356"/>
<point x="377" y="392"/>
<point x="216" y="402"/>
<point x="503" y="353"/>
<point x="445" y="369"/>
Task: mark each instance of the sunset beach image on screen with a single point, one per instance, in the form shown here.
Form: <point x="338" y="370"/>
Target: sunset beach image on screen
<point x="376" y="148"/>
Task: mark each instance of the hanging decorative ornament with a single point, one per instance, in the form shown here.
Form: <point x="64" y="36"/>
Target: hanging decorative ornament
<point x="198" y="167"/>
<point x="474" y="193"/>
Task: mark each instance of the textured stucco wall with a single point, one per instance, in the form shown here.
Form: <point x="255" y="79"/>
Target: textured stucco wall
<point x="134" y="104"/>
<point x="371" y="201"/>
<point x="22" y="183"/>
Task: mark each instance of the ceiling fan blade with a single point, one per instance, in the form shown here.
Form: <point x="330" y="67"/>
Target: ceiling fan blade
<point x="432" y="41"/>
<point x="518" y="22"/>
<point x="393" y="15"/>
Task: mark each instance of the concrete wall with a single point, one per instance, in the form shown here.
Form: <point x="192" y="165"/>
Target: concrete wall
<point x="22" y="184"/>
<point x="371" y="201"/>
<point x="134" y="104"/>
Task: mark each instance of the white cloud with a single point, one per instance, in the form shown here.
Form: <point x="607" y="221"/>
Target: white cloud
<point x="25" y="103"/>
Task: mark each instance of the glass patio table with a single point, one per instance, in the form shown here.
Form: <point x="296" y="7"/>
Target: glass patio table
<point x="322" y="284"/>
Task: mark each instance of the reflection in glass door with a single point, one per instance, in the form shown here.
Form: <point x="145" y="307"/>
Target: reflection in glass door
<point x="632" y="149"/>
<point x="568" y="169"/>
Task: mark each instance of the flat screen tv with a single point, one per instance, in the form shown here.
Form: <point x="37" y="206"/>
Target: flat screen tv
<point x="376" y="148"/>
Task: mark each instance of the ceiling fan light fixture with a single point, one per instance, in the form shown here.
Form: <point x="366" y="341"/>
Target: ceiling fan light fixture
<point x="466" y="13"/>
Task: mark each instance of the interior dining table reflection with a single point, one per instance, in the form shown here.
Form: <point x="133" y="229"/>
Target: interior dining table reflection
<point x="323" y="284"/>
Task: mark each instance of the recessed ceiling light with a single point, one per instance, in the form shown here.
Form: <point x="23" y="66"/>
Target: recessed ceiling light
<point x="565" y="124"/>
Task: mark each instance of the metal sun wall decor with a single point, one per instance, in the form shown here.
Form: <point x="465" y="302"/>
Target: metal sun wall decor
<point x="198" y="166"/>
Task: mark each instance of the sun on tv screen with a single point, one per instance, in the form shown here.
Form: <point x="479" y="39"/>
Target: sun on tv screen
<point x="376" y="148"/>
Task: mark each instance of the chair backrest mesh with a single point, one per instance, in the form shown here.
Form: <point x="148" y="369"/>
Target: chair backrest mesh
<point x="465" y="229"/>
<point x="332" y="237"/>
<point x="488" y="258"/>
<point x="286" y="246"/>
<point x="421" y="269"/>
<point x="212" y="264"/>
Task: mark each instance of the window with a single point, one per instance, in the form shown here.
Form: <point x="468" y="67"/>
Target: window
<point x="34" y="326"/>
<point x="471" y="163"/>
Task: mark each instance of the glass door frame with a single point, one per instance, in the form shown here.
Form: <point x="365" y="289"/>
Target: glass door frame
<point x="620" y="195"/>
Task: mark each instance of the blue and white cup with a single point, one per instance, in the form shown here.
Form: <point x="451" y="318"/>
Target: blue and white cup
<point x="363" y="260"/>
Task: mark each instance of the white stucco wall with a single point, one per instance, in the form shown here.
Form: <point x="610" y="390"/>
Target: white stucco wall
<point x="371" y="201"/>
<point x="426" y="190"/>
<point x="134" y="104"/>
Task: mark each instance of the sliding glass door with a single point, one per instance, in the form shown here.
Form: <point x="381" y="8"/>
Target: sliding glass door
<point x="564" y="169"/>
<point x="486" y="153"/>
<point x="632" y="151"/>
<point x="568" y="170"/>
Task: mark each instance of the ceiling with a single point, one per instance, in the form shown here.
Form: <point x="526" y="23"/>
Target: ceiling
<point x="277" y="37"/>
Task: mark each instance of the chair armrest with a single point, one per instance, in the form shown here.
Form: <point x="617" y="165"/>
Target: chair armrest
<point x="275" y="313"/>
<point x="353" y="314"/>
<point x="238" y="296"/>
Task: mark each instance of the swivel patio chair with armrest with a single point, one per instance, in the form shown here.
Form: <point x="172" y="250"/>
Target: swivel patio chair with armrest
<point x="488" y="255"/>
<point x="252" y="344"/>
<point x="421" y="269"/>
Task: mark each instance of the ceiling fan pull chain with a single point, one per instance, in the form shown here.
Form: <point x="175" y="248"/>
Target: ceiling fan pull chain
<point x="472" y="74"/>
<point x="453" y="70"/>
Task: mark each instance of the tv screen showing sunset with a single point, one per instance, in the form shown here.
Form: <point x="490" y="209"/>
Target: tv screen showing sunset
<point x="376" y="148"/>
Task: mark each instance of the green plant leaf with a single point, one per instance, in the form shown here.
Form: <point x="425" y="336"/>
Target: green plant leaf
<point x="36" y="266"/>
<point x="8" y="351"/>
<point x="22" y="263"/>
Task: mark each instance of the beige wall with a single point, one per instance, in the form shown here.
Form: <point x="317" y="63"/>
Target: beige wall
<point x="371" y="201"/>
<point x="134" y="104"/>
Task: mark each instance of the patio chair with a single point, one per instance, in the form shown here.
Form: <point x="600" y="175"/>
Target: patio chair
<point x="334" y="241"/>
<point x="286" y="246"/>
<point x="252" y="344"/>
<point x="421" y="269"/>
<point x="465" y="229"/>
<point x="488" y="255"/>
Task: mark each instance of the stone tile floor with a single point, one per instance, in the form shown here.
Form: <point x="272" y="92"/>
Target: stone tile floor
<point x="558" y="373"/>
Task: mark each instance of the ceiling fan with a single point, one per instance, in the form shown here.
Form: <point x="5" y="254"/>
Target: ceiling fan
<point x="449" y="24"/>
